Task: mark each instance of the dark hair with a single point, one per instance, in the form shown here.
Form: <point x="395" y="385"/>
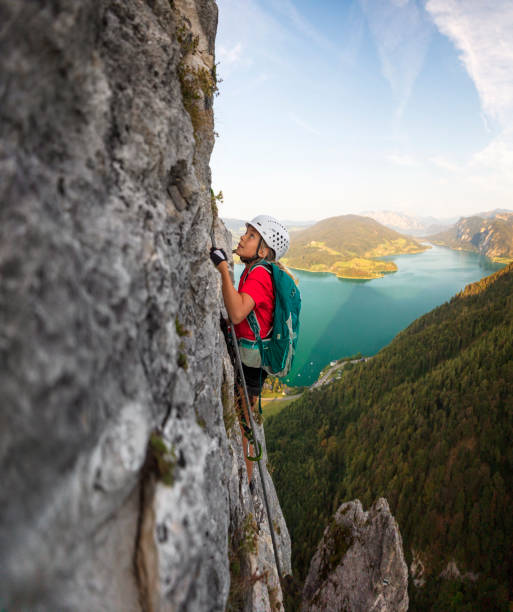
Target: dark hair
<point x="271" y="256"/>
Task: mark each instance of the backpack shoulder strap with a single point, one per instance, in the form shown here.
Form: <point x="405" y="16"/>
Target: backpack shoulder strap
<point x="261" y="264"/>
<point x="252" y="318"/>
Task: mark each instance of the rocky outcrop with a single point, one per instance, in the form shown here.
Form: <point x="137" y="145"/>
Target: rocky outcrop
<point x="359" y="564"/>
<point x="452" y="572"/>
<point x="121" y="488"/>
<point x="491" y="236"/>
<point x="418" y="569"/>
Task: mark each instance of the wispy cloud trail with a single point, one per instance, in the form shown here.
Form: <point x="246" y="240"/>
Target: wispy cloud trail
<point x="303" y="124"/>
<point x="446" y="164"/>
<point x="401" y="33"/>
<point x="302" y="25"/>
<point x="401" y="160"/>
<point x="483" y="34"/>
<point x="231" y="55"/>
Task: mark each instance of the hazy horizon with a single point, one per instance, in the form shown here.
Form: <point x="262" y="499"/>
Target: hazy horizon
<point x="434" y="218"/>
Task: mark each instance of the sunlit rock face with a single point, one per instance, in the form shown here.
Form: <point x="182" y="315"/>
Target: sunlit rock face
<point x="490" y="234"/>
<point x="359" y="563"/>
<point x="121" y="489"/>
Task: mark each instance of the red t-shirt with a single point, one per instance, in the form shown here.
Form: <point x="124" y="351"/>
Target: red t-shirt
<point x="259" y="285"/>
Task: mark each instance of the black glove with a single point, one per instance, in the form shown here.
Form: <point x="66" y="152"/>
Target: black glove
<point x="217" y="256"/>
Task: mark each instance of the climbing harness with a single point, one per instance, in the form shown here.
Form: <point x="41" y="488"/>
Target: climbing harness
<point x="254" y="441"/>
<point x="242" y="418"/>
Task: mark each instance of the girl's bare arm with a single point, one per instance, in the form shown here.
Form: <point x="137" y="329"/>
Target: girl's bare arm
<point x="238" y="305"/>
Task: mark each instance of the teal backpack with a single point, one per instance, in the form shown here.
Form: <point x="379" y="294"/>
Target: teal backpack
<point x="276" y="352"/>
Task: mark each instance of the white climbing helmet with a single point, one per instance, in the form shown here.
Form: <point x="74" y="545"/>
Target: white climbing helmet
<point x="274" y="233"/>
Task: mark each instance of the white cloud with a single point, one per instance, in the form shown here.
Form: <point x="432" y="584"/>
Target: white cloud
<point x="303" y="124"/>
<point x="446" y="164"/>
<point x="494" y="164"/>
<point x="401" y="33"/>
<point x="401" y="160"/>
<point x="229" y="56"/>
<point x="483" y="34"/>
<point x="252" y="84"/>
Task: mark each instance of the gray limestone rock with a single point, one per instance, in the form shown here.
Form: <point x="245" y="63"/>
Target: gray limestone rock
<point x="359" y="564"/>
<point x="109" y="318"/>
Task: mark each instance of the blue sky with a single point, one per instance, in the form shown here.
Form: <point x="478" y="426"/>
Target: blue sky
<point x="333" y="107"/>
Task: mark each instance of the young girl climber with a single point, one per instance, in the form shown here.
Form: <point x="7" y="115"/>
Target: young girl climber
<point x="265" y="239"/>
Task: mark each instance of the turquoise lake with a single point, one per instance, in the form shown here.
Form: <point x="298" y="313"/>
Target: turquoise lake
<point x="342" y="317"/>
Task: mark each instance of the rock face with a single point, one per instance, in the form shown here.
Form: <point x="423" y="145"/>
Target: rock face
<point x="121" y="488"/>
<point x="359" y="564"/>
<point x="491" y="236"/>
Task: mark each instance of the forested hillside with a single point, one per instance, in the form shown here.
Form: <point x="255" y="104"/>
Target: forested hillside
<point x="428" y="424"/>
<point x="347" y="246"/>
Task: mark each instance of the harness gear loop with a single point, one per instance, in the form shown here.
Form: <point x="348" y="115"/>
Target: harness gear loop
<point x="248" y="434"/>
<point x="256" y="444"/>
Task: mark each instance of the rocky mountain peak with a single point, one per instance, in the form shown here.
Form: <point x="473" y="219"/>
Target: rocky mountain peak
<point x="359" y="563"/>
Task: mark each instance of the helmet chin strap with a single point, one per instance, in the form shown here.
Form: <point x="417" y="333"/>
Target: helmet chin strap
<point x="256" y="256"/>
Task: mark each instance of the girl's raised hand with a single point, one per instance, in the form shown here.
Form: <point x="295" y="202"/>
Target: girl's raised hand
<point x="217" y="256"/>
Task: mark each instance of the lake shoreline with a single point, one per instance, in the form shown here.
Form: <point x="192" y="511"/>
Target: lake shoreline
<point x="371" y="275"/>
<point x="496" y="260"/>
<point x="340" y="276"/>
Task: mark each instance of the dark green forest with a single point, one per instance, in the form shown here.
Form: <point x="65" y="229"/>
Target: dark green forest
<point x="428" y="424"/>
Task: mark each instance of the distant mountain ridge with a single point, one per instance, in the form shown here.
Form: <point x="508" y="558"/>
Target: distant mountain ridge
<point x="408" y="224"/>
<point x="348" y="246"/>
<point x="490" y="234"/>
<point x="496" y="212"/>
